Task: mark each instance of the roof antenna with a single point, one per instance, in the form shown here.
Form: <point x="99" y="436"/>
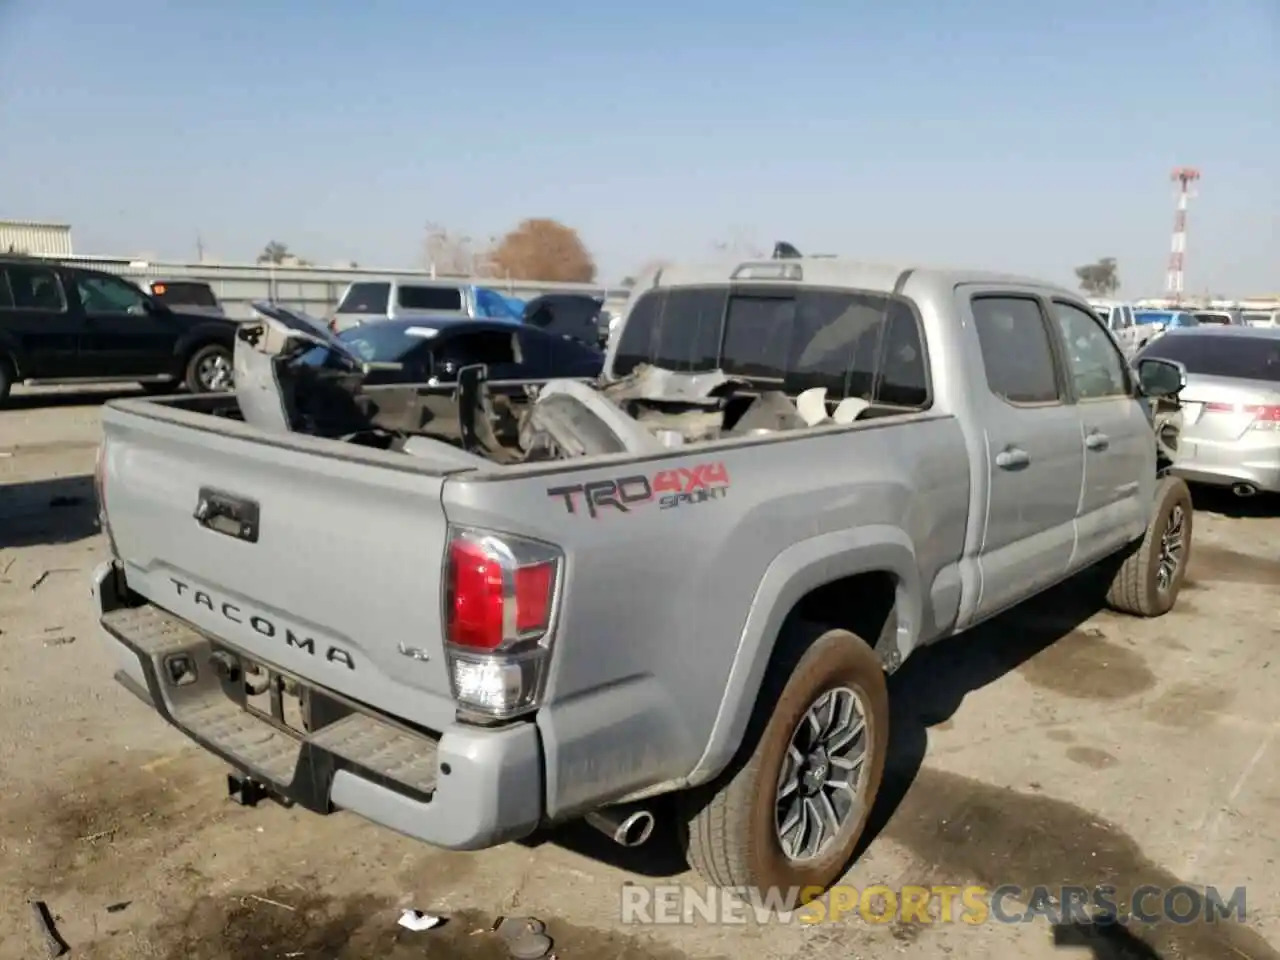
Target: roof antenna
<point x="785" y="251"/>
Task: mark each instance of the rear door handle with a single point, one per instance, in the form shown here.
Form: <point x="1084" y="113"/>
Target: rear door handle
<point x="227" y="514"/>
<point x="1011" y="458"/>
<point x="1097" y="441"/>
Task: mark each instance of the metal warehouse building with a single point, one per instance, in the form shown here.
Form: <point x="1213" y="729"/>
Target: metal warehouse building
<point x="35" y="239"/>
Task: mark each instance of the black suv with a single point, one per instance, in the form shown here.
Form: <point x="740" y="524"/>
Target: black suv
<point x="66" y="324"/>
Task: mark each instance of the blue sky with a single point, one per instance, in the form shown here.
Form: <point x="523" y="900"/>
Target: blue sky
<point x="1021" y="136"/>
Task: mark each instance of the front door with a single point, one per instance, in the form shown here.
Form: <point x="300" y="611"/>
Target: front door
<point x="1034" y="455"/>
<point x="124" y="335"/>
<point x="1118" y="442"/>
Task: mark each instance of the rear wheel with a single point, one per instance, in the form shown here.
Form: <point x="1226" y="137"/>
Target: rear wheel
<point x="790" y="811"/>
<point x="209" y="369"/>
<point x="1149" y="579"/>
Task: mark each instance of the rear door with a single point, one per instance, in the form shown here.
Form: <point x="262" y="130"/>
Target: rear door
<point x="123" y="336"/>
<point x="39" y="321"/>
<point x="1035" y="454"/>
<point x="1119" y="449"/>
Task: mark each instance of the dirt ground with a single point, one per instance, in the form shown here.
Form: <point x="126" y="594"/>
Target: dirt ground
<point x="1060" y="744"/>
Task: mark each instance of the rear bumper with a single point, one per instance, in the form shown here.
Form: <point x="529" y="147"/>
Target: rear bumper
<point x="1223" y="466"/>
<point x="462" y="789"/>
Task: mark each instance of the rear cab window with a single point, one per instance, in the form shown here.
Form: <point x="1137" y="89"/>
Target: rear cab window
<point x="365" y="297"/>
<point x="31" y="287"/>
<point x="854" y="344"/>
<point x="184" y="293"/>
<point x="444" y="299"/>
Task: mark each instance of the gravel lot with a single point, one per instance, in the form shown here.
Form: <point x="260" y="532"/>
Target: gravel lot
<point x="1060" y="744"/>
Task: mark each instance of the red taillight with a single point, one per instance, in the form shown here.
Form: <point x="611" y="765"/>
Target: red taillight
<point x="1266" y="416"/>
<point x="495" y="595"/>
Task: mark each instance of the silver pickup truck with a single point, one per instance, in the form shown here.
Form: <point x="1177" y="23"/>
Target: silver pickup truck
<point x="467" y="613"/>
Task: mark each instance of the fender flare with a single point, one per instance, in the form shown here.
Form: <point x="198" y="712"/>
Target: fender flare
<point x="791" y="575"/>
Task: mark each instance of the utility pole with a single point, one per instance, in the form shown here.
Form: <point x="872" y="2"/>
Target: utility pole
<point x="1184" y="177"/>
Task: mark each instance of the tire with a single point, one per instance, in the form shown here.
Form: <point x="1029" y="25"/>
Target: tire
<point x="7" y="376"/>
<point x="730" y="833"/>
<point x="1139" y="588"/>
<point x="198" y="368"/>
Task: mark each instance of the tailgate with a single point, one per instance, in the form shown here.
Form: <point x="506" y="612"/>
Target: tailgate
<point x="308" y="555"/>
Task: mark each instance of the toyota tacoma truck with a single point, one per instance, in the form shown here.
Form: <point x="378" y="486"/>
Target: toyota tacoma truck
<point x="470" y="612"/>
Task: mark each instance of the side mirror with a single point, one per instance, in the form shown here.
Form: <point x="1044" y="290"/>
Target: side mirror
<point x="1158" y="377"/>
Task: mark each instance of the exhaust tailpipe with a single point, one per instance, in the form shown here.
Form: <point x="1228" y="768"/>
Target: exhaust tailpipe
<point x="625" y="826"/>
<point x="1244" y="489"/>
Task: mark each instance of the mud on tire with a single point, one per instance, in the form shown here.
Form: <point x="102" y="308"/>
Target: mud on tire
<point x="732" y="826"/>
<point x="1149" y="579"/>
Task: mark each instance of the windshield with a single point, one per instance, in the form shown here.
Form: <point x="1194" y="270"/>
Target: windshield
<point x="1221" y="355"/>
<point x="385" y="342"/>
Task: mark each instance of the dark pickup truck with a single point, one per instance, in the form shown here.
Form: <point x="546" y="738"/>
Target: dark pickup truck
<point x="67" y="324"/>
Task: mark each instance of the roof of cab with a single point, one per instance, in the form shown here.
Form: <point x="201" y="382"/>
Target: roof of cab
<point x="838" y="272"/>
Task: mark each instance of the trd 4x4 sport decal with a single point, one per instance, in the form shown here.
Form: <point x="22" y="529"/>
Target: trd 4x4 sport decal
<point x="678" y="487"/>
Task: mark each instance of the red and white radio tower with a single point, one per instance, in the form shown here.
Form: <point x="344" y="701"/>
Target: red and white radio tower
<point x="1184" y="177"/>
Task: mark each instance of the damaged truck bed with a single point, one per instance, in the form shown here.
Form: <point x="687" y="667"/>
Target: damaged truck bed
<point x="648" y="412"/>
<point x="467" y="612"/>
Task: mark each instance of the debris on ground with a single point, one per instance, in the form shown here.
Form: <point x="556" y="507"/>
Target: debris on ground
<point x="418" y="921"/>
<point x="59" y="639"/>
<point x="54" y="945"/>
<point x="117" y="907"/>
<point x="46" y="574"/>
<point x="526" y="937"/>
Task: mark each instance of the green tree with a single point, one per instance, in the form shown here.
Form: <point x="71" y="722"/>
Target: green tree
<point x="1100" y="279"/>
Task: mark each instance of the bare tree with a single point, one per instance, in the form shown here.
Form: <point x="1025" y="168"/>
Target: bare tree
<point x="449" y="254"/>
